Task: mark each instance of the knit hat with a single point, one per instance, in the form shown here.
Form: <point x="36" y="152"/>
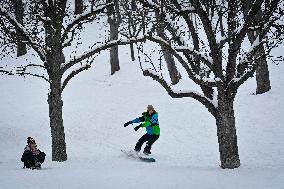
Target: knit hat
<point x="30" y="141"/>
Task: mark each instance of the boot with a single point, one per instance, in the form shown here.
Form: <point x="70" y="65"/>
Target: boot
<point x="146" y="152"/>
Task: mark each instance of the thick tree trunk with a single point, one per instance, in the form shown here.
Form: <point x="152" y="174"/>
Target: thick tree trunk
<point x="114" y="60"/>
<point x="226" y="131"/>
<point x="79" y="6"/>
<point x="262" y="73"/>
<point x="134" y="28"/>
<point x="174" y="74"/>
<point x="54" y="59"/>
<point x="170" y="61"/>
<point x="113" y="23"/>
<point x="56" y="122"/>
<point x="132" y="52"/>
<point x="19" y="14"/>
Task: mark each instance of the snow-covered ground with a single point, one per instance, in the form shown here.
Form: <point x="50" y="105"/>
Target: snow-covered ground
<point x="96" y="105"/>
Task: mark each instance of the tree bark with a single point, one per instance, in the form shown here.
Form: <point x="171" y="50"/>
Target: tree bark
<point x="226" y="132"/>
<point x="56" y="122"/>
<point x="79" y="6"/>
<point x="262" y="73"/>
<point x="132" y="52"/>
<point x="174" y="74"/>
<point x="170" y="61"/>
<point x="207" y="91"/>
<point x="55" y="58"/>
<point x="133" y="26"/>
<point x="19" y="14"/>
<point x="113" y="23"/>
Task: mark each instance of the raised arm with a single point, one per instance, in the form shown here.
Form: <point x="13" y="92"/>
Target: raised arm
<point x="138" y="120"/>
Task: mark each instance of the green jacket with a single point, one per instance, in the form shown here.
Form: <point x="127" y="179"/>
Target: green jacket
<point x="150" y="122"/>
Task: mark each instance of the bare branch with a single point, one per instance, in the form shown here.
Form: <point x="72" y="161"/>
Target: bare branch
<point x="82" y="18"/>
<point x="19" y="73"/>
<point x="201" y="98"/>
<point x="24" y="33"/>
<point x="73" y="73"/>
<point x="98" y="49"/>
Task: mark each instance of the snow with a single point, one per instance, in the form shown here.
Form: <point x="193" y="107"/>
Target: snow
<point x="186" y="153"/>
<point x="179" y="91"/>
<point x="219" y="39"/>
<point x="96" y="105"/>
<point x="188" y="8"/>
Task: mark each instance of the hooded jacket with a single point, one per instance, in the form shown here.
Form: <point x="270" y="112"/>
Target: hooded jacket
<point x="150" y="122"/>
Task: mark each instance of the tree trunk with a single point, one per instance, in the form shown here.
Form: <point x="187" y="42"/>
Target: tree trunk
<point x="114" y="60"/>
<point x="132" y="52"/>
<point x="174" y="74"/>
<point x="134" y="28"/>
<point x="170" y="61"/>
<point x="226" y="132"/>
<point x="79" y="6"/>
<point x="56" y="122"/>
<point x="19" y="14"/>
<point x="113" y="23"/>
<point x="262" y="73"/>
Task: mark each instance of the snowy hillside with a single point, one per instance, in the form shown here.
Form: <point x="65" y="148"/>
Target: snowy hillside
<point x="95" y="107"/>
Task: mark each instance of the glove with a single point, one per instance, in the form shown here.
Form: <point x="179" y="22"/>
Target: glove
<point x="127" y="123"/>
<point x="137" y="127"/>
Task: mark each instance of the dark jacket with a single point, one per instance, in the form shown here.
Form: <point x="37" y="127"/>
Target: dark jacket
<point x="30" y="159"/>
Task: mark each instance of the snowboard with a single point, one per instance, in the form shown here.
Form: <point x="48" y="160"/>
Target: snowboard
<point x="140" y="157"/>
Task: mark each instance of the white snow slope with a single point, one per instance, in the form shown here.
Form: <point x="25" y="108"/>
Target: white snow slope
<point x="97" y="104"/>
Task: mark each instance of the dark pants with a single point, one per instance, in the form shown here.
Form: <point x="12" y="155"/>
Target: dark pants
<point x="150" y="139"/>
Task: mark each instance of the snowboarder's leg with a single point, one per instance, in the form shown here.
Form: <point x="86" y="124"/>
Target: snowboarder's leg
<point x="140" y="142"/>
<point x="152" y="139"/>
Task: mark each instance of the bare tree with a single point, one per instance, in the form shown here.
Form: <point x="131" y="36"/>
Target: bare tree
<point x="51" y="30"/>
<point x="217" y="64"/>
<point x="134" y="20"/>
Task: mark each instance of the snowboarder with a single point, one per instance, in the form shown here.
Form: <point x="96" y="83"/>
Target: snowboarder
<point x="151" y="123"/>
<point x="32" y="157"/>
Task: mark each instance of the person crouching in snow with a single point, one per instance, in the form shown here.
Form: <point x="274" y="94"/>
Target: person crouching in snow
<point x="32" y="157"/>
<point x="151" y="123"/>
